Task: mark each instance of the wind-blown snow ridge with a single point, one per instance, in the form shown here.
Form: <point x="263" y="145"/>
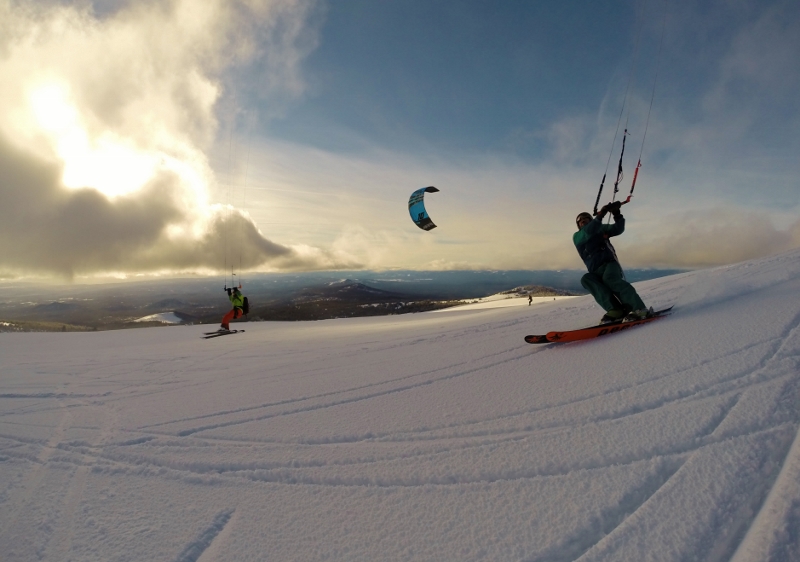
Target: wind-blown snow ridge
<point x="195" y="549"/>
<point x="417" y="437"/>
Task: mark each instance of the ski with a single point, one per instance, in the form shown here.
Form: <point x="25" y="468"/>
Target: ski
<point x="209" y="335"/>
<point x="594" y="331"/>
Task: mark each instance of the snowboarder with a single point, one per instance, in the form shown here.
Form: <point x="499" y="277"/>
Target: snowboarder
<point x="605" y="280"/>
<point x="237" y="299"/>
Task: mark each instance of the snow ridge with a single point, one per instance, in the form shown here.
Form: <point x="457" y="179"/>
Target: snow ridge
<point x="194" y="550"/>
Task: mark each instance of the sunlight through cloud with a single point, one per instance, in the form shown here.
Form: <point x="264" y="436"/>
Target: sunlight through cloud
<point x="106" y="127"/>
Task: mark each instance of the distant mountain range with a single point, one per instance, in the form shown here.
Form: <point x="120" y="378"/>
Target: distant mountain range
<point x="343" y="299"/>
<point x="305" y="296"/>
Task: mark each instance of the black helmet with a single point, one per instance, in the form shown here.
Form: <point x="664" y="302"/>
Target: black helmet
<point x="582" y="216"/>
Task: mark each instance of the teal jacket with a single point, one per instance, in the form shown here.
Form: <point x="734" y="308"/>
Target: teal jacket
<point x="592" y="241"/>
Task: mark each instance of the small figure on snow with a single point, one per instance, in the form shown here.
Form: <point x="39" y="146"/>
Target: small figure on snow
<point x="237" y="299"/>
<point x="605" y="280"/>
<point x="530" y="299"/>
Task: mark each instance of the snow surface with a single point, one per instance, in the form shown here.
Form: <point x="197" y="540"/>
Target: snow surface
<point x="417" y="437"/>
<point x="497" y="301"/>
<point x="164" y="317"/>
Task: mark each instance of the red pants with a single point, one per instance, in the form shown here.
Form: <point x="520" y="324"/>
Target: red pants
<point x="232" y="315"/>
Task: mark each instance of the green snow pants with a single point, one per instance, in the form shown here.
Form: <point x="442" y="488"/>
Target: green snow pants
<point x="609" y="288"/>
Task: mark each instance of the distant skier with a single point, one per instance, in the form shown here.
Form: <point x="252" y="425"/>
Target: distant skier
<point x="530" y="299"/>
<point x="237" y="299"/>
<point x="605" y="280"/>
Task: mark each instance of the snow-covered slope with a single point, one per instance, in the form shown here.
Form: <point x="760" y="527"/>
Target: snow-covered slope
<point x="500" y="301"/>
<point x="163" y="317"/>
<point x="417" y="437"/>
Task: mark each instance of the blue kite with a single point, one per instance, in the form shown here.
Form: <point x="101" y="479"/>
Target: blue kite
<point x="416" y="208"/>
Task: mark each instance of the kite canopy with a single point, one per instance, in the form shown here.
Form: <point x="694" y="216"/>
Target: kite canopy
<point x="416" y="208"/>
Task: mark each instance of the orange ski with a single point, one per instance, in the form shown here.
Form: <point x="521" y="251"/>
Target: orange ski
<point x="594" y="331"/>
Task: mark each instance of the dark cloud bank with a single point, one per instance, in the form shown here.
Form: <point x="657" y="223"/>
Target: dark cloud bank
<point x="47" y="229"/>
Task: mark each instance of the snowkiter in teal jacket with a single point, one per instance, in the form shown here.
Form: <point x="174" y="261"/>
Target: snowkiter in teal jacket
<point x="605" y="280"/>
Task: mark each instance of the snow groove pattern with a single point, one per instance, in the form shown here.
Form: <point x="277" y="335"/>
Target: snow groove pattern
<point x="421" y="437"/>
<point x="195" y="549"/>
<point x="573" y="547"/>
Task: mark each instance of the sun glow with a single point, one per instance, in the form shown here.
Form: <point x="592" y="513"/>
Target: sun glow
<point x="106" y="163"/>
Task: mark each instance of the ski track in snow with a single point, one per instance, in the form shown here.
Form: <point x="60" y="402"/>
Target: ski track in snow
<point x="195" y="549"/>
<point x="417" y="437"/>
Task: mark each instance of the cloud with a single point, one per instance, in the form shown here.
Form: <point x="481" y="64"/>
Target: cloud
<point x="105" y="120"/>
<point x="725" y="115"/>
<point x="496" y="213"/>
<point x="760" y="66"/>
<point x="48" y="229"/>
<point x="708" y="238"/>
<point x="115" y="122"/>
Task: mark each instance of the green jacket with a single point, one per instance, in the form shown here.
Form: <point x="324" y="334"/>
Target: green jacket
<point x="237" y="299"/>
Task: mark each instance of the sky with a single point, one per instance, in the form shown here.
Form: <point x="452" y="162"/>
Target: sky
<point x="167" y="136"/>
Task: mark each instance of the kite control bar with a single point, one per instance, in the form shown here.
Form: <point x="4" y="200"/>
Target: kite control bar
<point x="621" y="203"/>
